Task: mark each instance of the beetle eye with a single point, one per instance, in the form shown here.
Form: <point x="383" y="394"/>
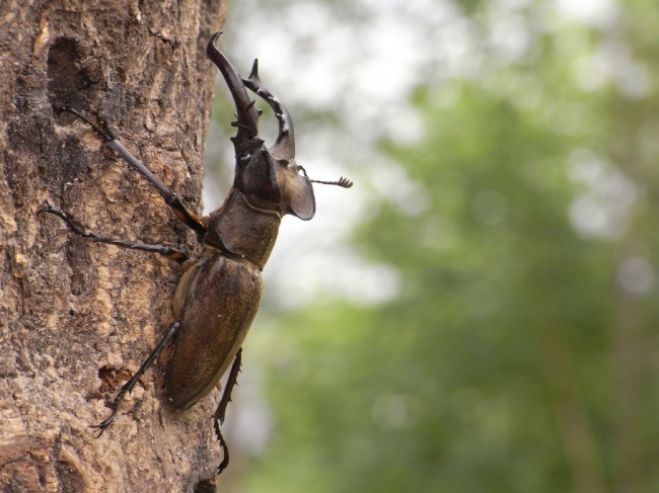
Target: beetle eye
<point x="283" y="162"/>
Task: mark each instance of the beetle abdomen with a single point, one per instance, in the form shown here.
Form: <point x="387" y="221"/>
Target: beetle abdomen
<point x="221" y="300"/>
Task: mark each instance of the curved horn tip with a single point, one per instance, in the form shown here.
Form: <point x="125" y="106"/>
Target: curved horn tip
<point x="211" y="48"/>
<point x="214" y="37"/>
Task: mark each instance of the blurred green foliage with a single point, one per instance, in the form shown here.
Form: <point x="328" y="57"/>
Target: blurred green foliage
<point x="520" y="354"/>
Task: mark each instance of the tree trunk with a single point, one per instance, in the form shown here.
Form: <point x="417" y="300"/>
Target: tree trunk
<point x="78" y="317"/>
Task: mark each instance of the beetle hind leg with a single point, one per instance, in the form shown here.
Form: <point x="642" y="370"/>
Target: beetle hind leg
<point x="128" y="386"/>
<point x="220" y="412"/>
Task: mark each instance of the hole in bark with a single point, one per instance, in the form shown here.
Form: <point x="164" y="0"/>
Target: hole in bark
<point x="205" y="486"/>
<point x="112" y="378"/>
<point x="66" y="80"/>
<point x="69" y="477"/>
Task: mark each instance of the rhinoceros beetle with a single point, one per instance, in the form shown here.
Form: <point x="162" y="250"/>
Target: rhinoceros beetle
<point x="219" y="291"/>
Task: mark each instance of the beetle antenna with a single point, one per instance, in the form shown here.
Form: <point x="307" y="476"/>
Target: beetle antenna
<point x="341" y="182"/>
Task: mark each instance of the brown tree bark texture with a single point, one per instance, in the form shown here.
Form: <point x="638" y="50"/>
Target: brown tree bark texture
<point x="77" y="318"/>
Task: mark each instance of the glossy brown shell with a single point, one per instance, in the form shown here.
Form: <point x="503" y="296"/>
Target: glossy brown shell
<point x="218" y="298"/>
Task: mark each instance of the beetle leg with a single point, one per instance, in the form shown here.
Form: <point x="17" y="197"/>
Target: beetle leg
<point x="223" y="444"/>
<point x="168" y="251"/>
<point x="190" y="218"/>
<point x="128" y="386"/>
<point x="219" y="414"/>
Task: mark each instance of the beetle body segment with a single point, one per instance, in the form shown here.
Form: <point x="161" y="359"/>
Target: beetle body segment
<point x="242" y="229"/>
<point x="220" y="298"/>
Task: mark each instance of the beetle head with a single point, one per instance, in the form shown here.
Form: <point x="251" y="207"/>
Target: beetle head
<point x="269" y="177"/>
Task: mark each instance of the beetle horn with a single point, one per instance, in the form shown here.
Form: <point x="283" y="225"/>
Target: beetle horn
<point x="285" y="145"/>
<point x="247" y="116"/>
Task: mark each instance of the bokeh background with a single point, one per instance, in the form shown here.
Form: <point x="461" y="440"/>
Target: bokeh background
<point x="480" y="312"/>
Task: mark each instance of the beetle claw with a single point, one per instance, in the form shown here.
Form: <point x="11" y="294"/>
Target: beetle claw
<point x="223" y="444"/>
<point x="100" y="428"/>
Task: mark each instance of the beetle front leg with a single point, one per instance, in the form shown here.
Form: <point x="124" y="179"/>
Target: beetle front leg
<point x="170" y="252"/>
<point x="128" y="386"/>
<point x="183" y="213"/>
<point x="219" y="414"/>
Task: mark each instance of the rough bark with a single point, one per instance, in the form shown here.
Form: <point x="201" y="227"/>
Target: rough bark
<point x="76" y="318"/>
